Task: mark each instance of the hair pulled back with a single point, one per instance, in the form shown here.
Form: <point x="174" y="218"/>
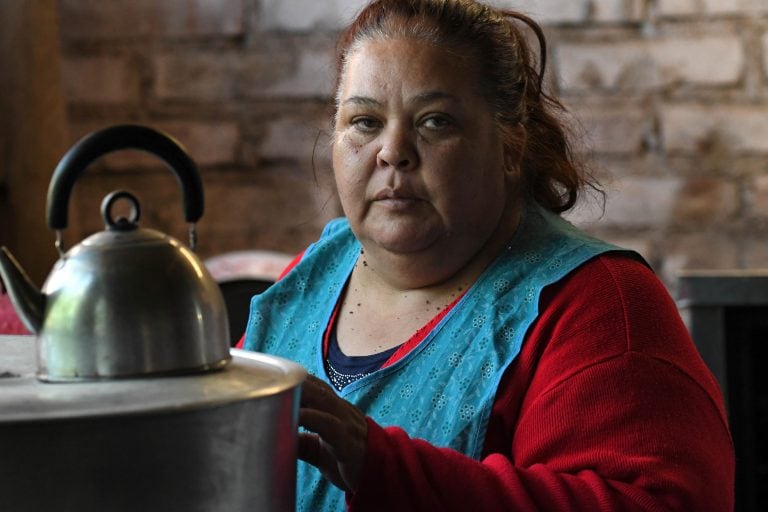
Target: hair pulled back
<point x="507" y="78"/>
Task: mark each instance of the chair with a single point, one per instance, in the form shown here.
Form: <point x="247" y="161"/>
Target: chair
<point x="241" y="275"/>
<point x="237" y="296"/>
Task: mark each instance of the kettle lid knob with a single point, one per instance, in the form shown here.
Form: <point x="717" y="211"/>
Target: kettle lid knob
<point x="120" y="223"/>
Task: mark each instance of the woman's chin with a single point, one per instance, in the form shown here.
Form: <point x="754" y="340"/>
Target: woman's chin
<point x="404" y="239"/>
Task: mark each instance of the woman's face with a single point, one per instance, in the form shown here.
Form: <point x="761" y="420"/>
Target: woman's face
<point x="418" y="160"/>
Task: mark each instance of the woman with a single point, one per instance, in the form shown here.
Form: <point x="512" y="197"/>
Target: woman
<point x="469" y="348"/>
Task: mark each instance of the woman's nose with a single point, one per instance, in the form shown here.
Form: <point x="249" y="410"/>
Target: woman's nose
<point x="397" y="150"/>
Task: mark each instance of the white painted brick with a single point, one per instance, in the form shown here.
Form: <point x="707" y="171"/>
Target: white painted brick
<point x="705" y="7"/>
<point x="610" y="130"/>
<point x="585" y="65"/>
<point x="741" y="128"/>
<point x="130" y="18"/>
<point x="697" y="251"/>
<point x="704" y="60"/>
<point x="291" y="138"/>
<point x="313" y="75"/>
<point x="208" y="143"/>
<point x="303" y="16"/>
<point x="548" y="12"/>
<point x="222" y="76"/>
<point x="300" y="15"/>
<point x="631" y="202"/>
<point x="757" y="197"/>
<point x="202" y="75"/>
<point x="641" y="202"/>
<point x="687" y="7"/>
<point x="756" y="252"/>
<point x="219" y="16"/>
<point x="616" y="10"/>
<point x="674" y="218"/>
<point x="644" y="64"/>
<point x="704" y="201"/>
<point x="765" y="52"/>
<point x="100" y="80"/>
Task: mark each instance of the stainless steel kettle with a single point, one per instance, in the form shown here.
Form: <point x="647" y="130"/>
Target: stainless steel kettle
<point x="126" y="301"/>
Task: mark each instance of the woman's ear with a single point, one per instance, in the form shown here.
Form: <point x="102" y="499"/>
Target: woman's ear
<point x="514" y="148"/>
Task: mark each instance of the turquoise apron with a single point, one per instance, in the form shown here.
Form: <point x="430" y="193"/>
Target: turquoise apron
<point x="442" y="390"/>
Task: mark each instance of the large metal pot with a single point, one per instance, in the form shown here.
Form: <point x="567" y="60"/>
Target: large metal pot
<point x="129" y="398"/>
<point x="218" y="441"/>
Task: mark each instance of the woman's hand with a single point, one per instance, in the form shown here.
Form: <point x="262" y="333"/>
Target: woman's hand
<point x="337" y="444"/>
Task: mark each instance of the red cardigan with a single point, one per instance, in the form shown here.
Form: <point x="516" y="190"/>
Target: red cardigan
<point x="608" y="407"/>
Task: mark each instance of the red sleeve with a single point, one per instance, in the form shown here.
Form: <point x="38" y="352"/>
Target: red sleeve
<point x="10" y="323"/>
<point x="295" y="261"/>
<point x="608" y="407"/>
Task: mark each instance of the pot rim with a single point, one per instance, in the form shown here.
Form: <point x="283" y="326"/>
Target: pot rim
<point x="24" y="398"/>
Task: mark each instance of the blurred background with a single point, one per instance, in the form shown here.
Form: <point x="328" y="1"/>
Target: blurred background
<point x="669" y="99"/>
<point x="669" y="103"/>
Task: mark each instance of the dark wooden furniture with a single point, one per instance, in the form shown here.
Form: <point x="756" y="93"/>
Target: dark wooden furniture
<point x="727" y="315"/>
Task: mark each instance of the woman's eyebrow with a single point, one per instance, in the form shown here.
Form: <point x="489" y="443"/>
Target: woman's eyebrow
<point x="361" y="100"/>
<point x="419" y="99"/>
<point x="430" y="96"/>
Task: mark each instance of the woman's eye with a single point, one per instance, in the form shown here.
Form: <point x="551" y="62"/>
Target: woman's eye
<point x="365" y="124"/>
<point x="437" y="122"/>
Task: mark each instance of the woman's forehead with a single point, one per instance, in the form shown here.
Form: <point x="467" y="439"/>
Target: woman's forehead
<point x="405" y="67"/>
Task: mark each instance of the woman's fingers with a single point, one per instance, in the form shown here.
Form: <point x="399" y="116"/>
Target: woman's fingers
<point x="317" y="394"/>
<point x="314" y="451"/>
<point x="339" y="447"/>
<point x="329" y="427"/>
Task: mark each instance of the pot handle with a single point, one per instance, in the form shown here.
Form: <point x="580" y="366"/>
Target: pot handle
<point x="114" y="138"/>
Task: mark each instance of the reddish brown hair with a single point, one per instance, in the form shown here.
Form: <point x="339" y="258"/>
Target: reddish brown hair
<point x="492" y="40"/>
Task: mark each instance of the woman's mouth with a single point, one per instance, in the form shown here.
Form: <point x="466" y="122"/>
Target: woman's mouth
<point x="395" y="199"/>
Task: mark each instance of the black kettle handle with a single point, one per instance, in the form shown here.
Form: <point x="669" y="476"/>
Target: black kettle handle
<point x="127" y="136"/>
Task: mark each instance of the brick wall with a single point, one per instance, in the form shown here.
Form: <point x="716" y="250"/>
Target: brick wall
<point x="670" y="98"/>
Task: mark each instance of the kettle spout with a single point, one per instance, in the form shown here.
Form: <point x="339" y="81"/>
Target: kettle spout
<point x="25" y="296"/>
